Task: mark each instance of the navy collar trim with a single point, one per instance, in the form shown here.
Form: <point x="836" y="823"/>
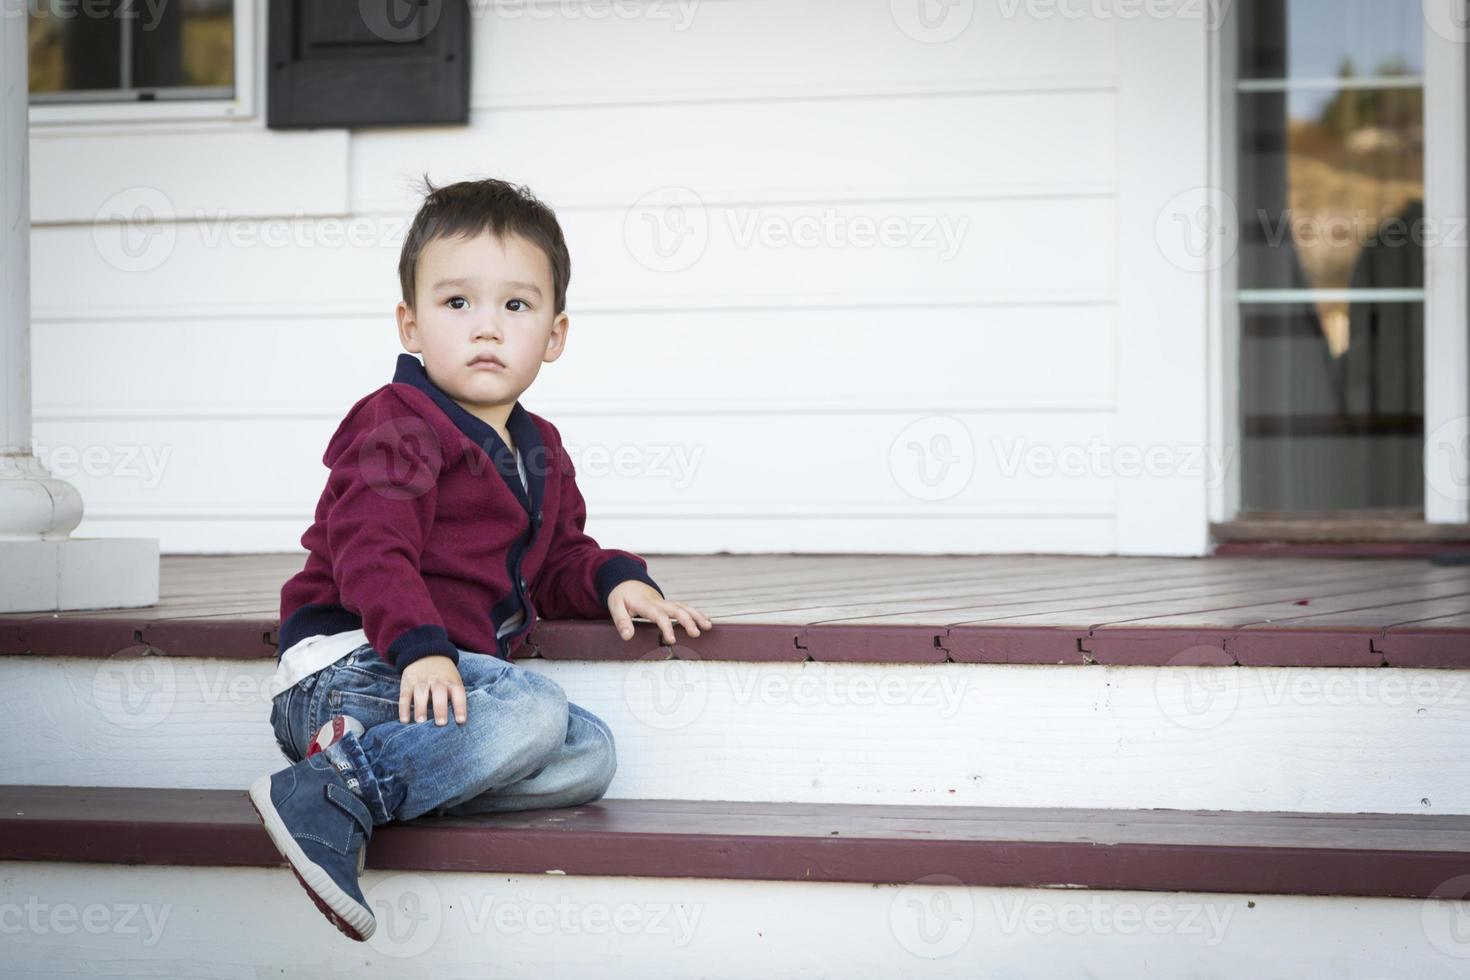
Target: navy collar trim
<point x="410" y="370"/>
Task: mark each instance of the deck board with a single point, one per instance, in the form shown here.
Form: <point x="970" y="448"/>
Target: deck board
<point x="891" y="608"/>
<point x="1386" y="855"/>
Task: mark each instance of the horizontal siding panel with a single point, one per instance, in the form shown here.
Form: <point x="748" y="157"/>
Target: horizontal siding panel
<point x="1084" y="534"/>
<point x="784" y="361"/>
<point x="861" y="467"/>
<point x="161" y="177"/>
<point x="712" y="49"/>
<point x="936" y="146"/>
<point x="967" y="250"/>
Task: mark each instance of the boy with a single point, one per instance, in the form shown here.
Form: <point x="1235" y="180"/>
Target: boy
<point x="450" y="521"/>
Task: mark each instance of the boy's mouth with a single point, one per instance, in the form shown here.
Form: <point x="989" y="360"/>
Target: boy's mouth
<point x="488" y="362"/>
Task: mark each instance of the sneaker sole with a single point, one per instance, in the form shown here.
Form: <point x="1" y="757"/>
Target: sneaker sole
<point x="353" y="919"/>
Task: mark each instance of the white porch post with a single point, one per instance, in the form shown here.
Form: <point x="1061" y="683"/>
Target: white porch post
<point x="42" y="568"/>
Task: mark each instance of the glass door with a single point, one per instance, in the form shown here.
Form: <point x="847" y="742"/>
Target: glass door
<point x="1330" y="195"/>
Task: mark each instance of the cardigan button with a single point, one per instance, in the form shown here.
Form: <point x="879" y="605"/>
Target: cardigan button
<point x="523" y="583"/>
<point x="538" y="518"/>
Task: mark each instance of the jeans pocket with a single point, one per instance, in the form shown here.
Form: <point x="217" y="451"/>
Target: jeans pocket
<point x="364" y="686"/>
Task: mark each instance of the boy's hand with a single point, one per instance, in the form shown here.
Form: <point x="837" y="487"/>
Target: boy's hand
<point x="436" y="679"/>
<point x="633" y="597"/>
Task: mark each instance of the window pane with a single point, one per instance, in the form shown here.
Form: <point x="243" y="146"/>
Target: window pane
<point x="1332" y="189"/>
<point x="1318" y="38"/>
<point x="1327" y="429"/>
<point x="110" y="49"/>
<point x="74" y="47"/>
<point x="188" y="43"/>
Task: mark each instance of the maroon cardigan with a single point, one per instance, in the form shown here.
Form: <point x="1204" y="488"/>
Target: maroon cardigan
<point x="425" y="539"/>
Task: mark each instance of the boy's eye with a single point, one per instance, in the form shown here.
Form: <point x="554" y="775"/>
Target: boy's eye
<point x="523" y="303"/>
<point x="454" y="299"/>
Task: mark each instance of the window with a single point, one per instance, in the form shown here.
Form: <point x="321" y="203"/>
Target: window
<point x="131" y="50"/>
<point x="1329" y="109"/>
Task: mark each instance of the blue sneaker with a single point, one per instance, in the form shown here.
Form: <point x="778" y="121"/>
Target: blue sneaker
<point x="321" y="828"/>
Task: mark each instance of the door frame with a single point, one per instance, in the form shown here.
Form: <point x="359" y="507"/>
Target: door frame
<point x="1447" y="265"/>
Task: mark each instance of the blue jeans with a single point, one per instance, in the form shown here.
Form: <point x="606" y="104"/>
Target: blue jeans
<point x="524" y="746"/>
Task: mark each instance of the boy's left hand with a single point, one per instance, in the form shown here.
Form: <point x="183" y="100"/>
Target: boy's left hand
<point x="635" y="598"/>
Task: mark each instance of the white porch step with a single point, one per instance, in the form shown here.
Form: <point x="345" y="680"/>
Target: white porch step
<point x="1380" y="739"/>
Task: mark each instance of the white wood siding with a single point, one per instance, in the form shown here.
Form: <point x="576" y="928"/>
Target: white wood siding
<point x="770" y="395"/>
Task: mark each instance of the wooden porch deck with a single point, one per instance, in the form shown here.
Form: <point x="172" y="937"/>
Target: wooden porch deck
<point x="1035" y="609"/>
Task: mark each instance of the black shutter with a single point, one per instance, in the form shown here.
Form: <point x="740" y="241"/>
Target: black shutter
<point x="368" y="62"/>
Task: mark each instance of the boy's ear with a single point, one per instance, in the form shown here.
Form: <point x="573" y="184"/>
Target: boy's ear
<point x="557" y="342"/>
<point x="408" y="328"/>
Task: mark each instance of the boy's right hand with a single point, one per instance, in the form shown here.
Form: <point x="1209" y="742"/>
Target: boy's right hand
<point x="433" y="679"/>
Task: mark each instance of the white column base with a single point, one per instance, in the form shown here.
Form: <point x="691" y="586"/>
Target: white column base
<point x="78" y="573"/>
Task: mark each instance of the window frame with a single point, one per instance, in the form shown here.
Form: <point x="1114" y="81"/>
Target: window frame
<point x="1446" y="293"/>
<point x="243" y="106"/>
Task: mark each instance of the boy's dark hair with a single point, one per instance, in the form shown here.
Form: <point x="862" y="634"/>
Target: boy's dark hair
<point x="471" y="207"/>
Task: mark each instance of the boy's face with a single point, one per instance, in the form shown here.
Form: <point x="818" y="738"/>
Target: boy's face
<point x="483" y="297"/>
